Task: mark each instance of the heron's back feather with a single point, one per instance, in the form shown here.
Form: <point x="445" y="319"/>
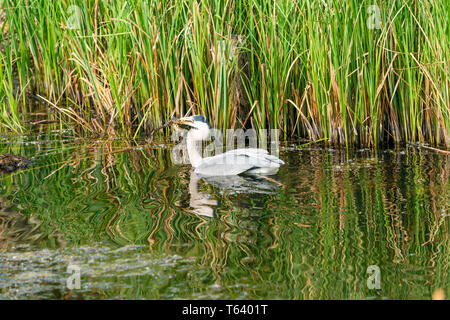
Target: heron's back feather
<point x="239" y="161"/>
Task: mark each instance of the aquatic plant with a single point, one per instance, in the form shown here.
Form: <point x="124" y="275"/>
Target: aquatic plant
<point x="351" y="73"/>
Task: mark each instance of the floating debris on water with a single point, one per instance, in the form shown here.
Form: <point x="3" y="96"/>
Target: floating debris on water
<point x="11" y="162"/>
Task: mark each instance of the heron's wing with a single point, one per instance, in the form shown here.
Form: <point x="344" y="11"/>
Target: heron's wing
<point x="224" y="165"/>
<point x="237" y="161"/>
<point x="261" y="154"/>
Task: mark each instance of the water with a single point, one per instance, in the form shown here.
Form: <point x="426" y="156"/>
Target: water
<point x="139" y="227"/>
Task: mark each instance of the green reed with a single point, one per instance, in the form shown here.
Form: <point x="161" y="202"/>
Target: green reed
<point x="316" y="69"/>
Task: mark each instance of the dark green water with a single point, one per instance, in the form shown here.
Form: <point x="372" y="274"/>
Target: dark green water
<point x="130" y="221"/>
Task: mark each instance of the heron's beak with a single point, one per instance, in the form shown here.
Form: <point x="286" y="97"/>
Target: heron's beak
<point x="186" y="121"/>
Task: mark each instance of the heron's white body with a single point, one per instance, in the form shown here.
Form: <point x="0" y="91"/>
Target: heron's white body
<point x="248" y="160"/>
<point x="234" y="162"/>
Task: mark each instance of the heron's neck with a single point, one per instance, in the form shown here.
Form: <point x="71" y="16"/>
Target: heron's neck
<point x="194" y="156"/>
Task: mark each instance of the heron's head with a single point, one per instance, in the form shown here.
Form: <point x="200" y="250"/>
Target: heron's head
<point x="199" y="128"/>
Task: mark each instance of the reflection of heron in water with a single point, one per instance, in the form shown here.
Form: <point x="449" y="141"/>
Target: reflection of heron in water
<point x="198" y="200"/>
<point x="204" y="205"/>
<point x="223" y="171"/>
<point x="234" y="162"/>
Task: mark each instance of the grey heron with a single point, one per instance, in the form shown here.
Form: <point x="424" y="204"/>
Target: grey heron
<point x="233" y="162"/>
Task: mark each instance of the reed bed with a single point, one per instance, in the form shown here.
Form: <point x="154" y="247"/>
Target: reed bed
<point x="353" y="72"/>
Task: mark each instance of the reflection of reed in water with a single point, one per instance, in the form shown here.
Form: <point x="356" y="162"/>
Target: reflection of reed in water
<point x="16" y="227"/>
<point x="368" y="208"/>
<point x="352" y="210"/>
<point x="338" y="213"/>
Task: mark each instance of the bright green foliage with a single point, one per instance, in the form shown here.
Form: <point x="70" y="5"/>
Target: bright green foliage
<point x="349" y="72"/>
